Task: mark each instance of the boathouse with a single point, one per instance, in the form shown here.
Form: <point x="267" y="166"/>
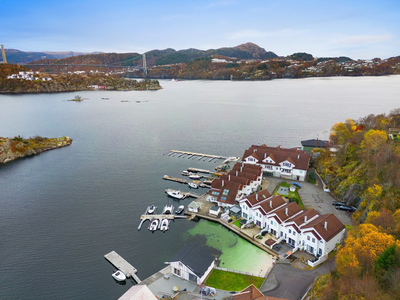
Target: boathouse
<point x="192" y="263"/>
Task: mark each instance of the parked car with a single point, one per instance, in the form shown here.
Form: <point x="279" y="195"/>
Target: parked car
<point x="347" y="208"/>
<point x="276" y="247"/>
<point x="338" y="203"/>
<point x="263" y="233"/>
<point x="297" y="184"/>
<point x="327" y="190"/>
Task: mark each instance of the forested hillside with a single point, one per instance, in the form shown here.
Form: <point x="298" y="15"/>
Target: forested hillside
<point x="365" y="172"/>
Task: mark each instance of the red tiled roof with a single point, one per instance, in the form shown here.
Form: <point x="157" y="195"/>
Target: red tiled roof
<point x="292" y="209"/>
<point x="241" y="180"/>
<point x="250" y="176"/>
<point x="255" y="199"/>
<point x="333" y="226"/>
<point x="232" y="189"/>
<point x="298" y="157"/>
<point x="274" y="201"/>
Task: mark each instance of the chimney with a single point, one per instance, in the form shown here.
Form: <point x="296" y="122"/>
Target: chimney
<point x="270" y="203"/>
<point x="265" y="155"/>
<point x="305" y="219"/>
<point x="241" y="169"/>
<point x="298" y="156"/>
<point x="286" y="211"/>
<point x="256" y="197"/>
<point x="326" y="225"/>
<point x="229" y="177"/>
<point x="222" y="182"/>
<point x="237" y="173"/>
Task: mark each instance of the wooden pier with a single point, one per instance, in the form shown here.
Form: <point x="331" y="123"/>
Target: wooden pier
<point x="185" y="194"/>
<point x="195" y="170"/>
<point x="185" y="181"/>
<point x="191" y="154"/>
<point x="121" y="264"/>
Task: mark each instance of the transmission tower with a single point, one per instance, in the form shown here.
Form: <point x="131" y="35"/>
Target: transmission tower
<point x="4" y="54"/>
<point x="144" y="64"/>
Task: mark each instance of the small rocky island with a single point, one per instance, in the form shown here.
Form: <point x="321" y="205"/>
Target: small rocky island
<point x="11" y="149"/>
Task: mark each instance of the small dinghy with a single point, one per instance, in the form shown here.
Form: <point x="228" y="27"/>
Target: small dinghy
<point x="193" y="185"/>
<point x="153" y="225"/>
<point x="180" y="209"/>
<point x="119" y="276"/>
<point x="164" y="225"/>
<point x="151" y="210"/>
<point x="194" y="176"/>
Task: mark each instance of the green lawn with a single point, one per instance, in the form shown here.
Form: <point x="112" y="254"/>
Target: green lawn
<point x="228" y="281"/>
<point x="292" y="195"/>
<point x="237" y="223"/>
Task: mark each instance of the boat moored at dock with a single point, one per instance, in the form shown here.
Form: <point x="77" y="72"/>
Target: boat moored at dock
<point x="164" y="225"/>
<point x="151" y="210"/>
<point x="175" y="194"/>
<point x="180" y="209"/>
<point x="154" y="225"/>
<point x="193" y="185"/>
<point x="168" y="210"/>
<point x="118" y="276"/>
<point x="194" y="176"/>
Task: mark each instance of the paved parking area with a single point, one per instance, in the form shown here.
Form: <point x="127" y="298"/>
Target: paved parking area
<point x="313" y="196"/>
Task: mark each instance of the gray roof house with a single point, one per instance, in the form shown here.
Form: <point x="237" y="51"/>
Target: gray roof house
<point x="192" y="262"/>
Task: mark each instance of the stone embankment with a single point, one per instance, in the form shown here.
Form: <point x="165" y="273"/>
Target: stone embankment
<point x="17" y="147"/>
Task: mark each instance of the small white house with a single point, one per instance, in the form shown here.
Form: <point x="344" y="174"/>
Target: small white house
<point x="214" y="210"/>
<point x="192" y="263"/>
<point x="194" y="206"/>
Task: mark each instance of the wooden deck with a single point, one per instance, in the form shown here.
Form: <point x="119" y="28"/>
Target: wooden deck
<point x="121" y="264"/>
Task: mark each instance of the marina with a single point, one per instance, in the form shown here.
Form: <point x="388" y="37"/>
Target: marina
<point x="185" y="181"/>
<point x="121" y="264"/>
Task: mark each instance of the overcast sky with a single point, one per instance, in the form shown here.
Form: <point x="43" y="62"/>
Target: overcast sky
<point x="358" y="29"/>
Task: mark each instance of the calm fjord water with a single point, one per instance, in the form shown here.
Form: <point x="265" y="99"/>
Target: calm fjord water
<point x="62" y="210"/>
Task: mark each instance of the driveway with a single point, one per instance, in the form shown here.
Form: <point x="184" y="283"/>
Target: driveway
<point x="288" y="282"/>
<point x="313" y="196"/>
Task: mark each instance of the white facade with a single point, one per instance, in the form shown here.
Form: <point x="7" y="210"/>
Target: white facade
<point x="182" y="271"/>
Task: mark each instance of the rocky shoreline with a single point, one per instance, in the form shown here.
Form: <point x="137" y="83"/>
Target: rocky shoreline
<point x="18" y="147"/>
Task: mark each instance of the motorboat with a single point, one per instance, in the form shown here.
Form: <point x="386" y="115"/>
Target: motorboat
<point x="174" y="80"/>
<point x="118" y="276"/>
<point x="176" y="194"/>
<point x="153" y="225"/>
<point x="151" y="210"/>
<point x="180" y="209"/>
<point x="193" y="185"/>
<point x="164" y="224"/>
<point x="168" y="209"/>
<point x="194" y="176"/>
<point x="185" y="173"/>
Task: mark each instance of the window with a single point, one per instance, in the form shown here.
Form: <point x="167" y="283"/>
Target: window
<point x="308" y="238"/>
<point x="214" y="193"/>
<point x="272" y="222"/>
<point x="313" y="240"/>
<point x="320" y="251"/>
<point x="177" y="272"/>
<point x="223" y="198"/>
<point x="290" y="231"/>
<point x="225" y="192"/>
<point x="294" y="232"/>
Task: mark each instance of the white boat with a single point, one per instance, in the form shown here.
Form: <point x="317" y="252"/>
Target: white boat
<point x="185" y="173"/>
<point x="151" y="210"/>
<point x="168" y="209"/>
<point x="194" y="176"/>
<point x="174" y="80"/>
<point x="193" y="185"/>
<point x="176" y="194"/>
<point x="180" y="209"/>
<point x="118" y="276"/>
<point x="164" y="224"/>
<point x="153" y="225"/>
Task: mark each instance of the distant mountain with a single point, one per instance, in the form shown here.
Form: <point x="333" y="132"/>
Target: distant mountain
<point x="164" y="57"/>
<point x="20" y="57"/>
<point x="337" y="59"/>
<point x="302" y="56"/>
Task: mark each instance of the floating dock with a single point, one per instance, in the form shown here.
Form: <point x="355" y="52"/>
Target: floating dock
<point x="185" y="181"/>
<point x="186" y="194"/>
<point x="195" y="170"/>
<point x="121" y="264"/>
<point x="191" y="154"/>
